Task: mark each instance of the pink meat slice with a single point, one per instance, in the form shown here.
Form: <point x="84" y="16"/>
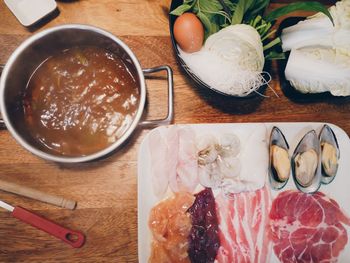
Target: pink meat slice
<point x="243" y="221"/>
<point x="307" y="228"/>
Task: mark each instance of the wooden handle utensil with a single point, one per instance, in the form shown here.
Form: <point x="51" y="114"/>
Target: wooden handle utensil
<point x="37" y="195"/>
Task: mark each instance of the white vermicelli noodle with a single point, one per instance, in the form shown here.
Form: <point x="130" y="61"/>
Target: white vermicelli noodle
<point x="231" y="61"/>
<point x="221" y="74"/>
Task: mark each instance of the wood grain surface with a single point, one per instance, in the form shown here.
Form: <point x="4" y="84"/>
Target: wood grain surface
<point x="106" y="190"/>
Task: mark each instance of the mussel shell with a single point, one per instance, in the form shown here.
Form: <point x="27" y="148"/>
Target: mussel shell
<point x="309" y="141"/>
<point x="327" y="135"/>
<point x="276" y="138"/>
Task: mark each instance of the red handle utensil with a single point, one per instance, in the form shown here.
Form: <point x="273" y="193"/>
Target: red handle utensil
<point x="73" y="238"/>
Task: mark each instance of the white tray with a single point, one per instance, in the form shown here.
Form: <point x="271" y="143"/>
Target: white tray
<point x="29" y="12"/>
<point x="338" y="189"/>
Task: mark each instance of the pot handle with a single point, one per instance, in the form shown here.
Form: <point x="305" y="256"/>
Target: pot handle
<point x="2" y="124"/>
<point x="170" y="115"/>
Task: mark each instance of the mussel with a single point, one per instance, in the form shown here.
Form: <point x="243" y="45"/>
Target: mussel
<point x="330" y="154"/>
<point x="279" y="164"/>
<point x="306" y="162"/>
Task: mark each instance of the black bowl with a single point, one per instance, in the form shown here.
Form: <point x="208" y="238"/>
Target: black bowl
<point x="194" y="77"/>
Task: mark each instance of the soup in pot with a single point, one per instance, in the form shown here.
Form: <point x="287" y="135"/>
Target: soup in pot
<point x="80" y="101"/>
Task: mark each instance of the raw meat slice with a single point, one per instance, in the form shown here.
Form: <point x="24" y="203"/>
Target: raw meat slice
<point x="173" y="160"/>
<point x="170" y="225"/>
<point x="204" y="235"/>
<point x="254" y="157"/>
<point x="171" y="139"/>
<point x="160" y="166"/>
<point x="243" y="221"/>
<point x="187" y="168"/>
<point x="307" y="228"/>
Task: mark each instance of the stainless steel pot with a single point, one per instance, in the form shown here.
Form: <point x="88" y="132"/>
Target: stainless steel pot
<point x="26" y="58"/>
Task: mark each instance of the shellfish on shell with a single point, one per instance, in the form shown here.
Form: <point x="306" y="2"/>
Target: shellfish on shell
<point x="306" y="163"/>
<point x="279" y="162"/>
<point x="330" y="154"/>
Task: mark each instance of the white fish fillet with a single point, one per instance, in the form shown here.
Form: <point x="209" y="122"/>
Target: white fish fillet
<point x="187" y="167"/>
<point x="160" y="167"/>
<point x="173" y="160"/>
<point x="254" y="159"/>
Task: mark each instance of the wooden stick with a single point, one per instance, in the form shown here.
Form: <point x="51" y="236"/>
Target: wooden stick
<point x="37" y="195"/>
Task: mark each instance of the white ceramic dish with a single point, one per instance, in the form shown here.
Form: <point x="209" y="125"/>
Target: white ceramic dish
<point x="29" y="12"/>
<point x="337" y="190"/>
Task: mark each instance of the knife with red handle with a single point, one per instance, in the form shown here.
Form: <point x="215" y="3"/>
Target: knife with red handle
<point x="73" y="238"/>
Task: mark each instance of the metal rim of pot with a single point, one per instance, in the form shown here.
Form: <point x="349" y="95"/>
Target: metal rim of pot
<point x="6" y="123"/>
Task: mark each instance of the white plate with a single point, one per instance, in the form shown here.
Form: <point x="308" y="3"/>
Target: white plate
<point x="338" y="189"/>
<point x="30" y="11"/>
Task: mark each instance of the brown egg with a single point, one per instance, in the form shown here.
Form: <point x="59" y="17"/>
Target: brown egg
<point x="189" y="32"/>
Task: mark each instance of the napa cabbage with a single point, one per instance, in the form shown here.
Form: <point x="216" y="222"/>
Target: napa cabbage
<point x="239" y="44"/>
<point x="319" y="69"/>
<point x="319" y="30"/>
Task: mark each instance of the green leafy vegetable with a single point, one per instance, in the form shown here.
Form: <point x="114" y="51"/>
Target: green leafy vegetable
<point x="258" y="9"/>
<point x="181" y="9"/>
<point x="209" y="27"/>
<point x="272" y="55"/>
<point x="274" y="42"/>
<point x="239" y="11"/>
<point x="304" y="6"/>
<point x="209" y="6"/>
<point x="226" y="7"/>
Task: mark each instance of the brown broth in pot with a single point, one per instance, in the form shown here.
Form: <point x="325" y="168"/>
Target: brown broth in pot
<point x="80" y="101"/>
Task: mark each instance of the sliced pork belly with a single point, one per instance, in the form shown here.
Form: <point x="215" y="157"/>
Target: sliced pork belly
<point x="243" y="221"/>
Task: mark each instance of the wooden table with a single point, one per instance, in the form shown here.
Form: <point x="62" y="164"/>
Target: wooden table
<point x="106" y="190"/>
